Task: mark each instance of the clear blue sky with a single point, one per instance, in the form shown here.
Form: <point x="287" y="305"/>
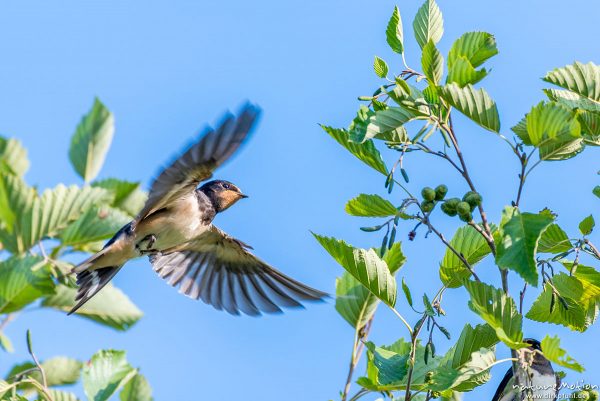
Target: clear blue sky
<point x="164" y="68"/>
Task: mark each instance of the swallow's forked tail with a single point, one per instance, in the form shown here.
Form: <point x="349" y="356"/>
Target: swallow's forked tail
<point x="89" y="282"/>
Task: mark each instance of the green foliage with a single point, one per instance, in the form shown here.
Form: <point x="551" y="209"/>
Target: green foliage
<point x="553" y="352"/>
<point x="428" y="24"/>
<point x="473" y="103"/>
<point x="394" y="33"/>
<point x="370" y="206"/>
<point x="365" y="266"/>
<point x="22" y="281"/>
<point x="468" y="242"/>
<point x="518" y="238"/>
<point x="498" y="310"/>
<point x="106" y="373"/>
<point x="412" y="112"/>
<point x="13" y="157"/>
<point x="91" y="141"/>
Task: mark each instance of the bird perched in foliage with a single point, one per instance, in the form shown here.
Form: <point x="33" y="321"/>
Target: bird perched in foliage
<point x="537" y="379"/>
<point x="175" y="230"/>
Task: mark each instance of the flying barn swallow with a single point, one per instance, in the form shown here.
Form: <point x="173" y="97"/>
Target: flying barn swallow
<point x="175" y="230"/>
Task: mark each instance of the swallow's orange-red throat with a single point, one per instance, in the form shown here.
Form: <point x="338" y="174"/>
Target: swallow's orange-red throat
<point x="175" y="230"/>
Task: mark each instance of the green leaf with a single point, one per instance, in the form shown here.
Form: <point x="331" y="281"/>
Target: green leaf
<point x="574" y="315"/>
<point x="554" y="240"/>
<point x="380" y="67"/>
<point x="498" y="310"/>
<point x="471" y="339"/>
<point x="365" y="151"/>
<point x="463" y="73"/>
<point x="389" y="120"/>
<point x="446" y="378"/>
<point x="58" y="395"/>
<point x="370" y="206"/>
<point x="583" y="79"/>
<point x="111" y="307"/>
<point x="13" y="157"/>
<point x="98" y="223"/>
<point x="428" y="24"/>
<point x="475" y="47"/>
<point x="473" y="103"/>
<point x="5" y="343"/>
<point x="91" y="141"/>
<point x="552" y="351"/>
<point x="61" y="370"/>
<point x="587" y="225"/>
<point x="127" y="195"/>
<point x="394" y="33"/>
<point x="572" y="100"/>
<point x="394" y="257"/>
<point x="548" y="122"/>
<point x="432" y="62"/>
<point x="16" y="200"/>
<point x="407" y="293"/>
<point x="519" y="234"/>
<point x="365" y="266"/>
<point x="353" y="301"/>
<point x="22" y="281"/>
<point x="105" y="374"/>
<point x="137" y="389"/>
<point x="596" y="191"/>
<point x="472" y="246"/>
<point x="386" y="368"/>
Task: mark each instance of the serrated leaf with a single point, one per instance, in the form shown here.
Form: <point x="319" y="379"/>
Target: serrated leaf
<point x="13" y="157"/>
<point x="498" y="310"/>
<point x="22" y="281"/>
<point x="572" y="100"/>
<point x="389" y="366"/>
<point x="365" y="266"/>
<point x="91" y="141"/>
<point x="128" y="196"/>
<point x="462" y="73"/>
<point x="547" y="122"/>
<point x="554" y="240"/>
<point x="428" y="24"/>
<point x="473" y="103"/>
<point x="365" y="151"/>
<point x="61" y="370"/>
<point x="472" y="246"/>
<point x="370" y="206"/>
<point x="475" y="47"/>
<point x="353" y="301"/>
<point x="97" y="224"/>
<point x="136" y="389"/>
<point x="380" y="67"/>
<point x="110" y="307"/>
<point x="432" y="62"/>
<point x="58" y="395"/>
<point x="407" y="293"/>
<point x="388" y="120"/>
<point x="16" y="200"/>
<point x="394" y="257"/>
<point x="587" y="225"/>
<point x="552" y="351"/>
<point x="446" y="378"/>
<point x="105" y="373"/>
<point x="518" y="235"/>
<point x="471" y="339"/>
<point x="394" y="33"/>
<point x="572" y="292"/>
<point x="583" y="79"/>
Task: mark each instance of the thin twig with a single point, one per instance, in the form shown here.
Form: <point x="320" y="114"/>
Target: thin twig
<point x="35" y="360"/>
<point x="359" y="337"/>
<point x="592" y="248"/>
<point x="521" y="297"/>
<point x="410" y="330"/>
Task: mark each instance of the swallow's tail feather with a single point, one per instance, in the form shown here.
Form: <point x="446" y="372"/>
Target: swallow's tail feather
<point x="92" y="281"/>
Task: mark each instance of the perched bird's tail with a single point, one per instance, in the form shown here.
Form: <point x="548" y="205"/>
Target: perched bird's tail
<point x="92" y="281"/>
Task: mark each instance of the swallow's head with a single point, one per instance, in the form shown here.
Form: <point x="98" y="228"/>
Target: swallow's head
<point x="533" y="343"/>
<point x="222" y="194"/>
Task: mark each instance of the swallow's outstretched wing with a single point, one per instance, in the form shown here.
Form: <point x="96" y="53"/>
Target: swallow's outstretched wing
<point x="222" y="272"/>
<point x="198" y="162"/>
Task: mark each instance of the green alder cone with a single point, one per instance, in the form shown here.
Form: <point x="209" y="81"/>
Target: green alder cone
<point x="473" y="199"/>
<point x="428" y="194"/>
<point x="463" y="208"/>
<point x="449" y="209"/>
<point x="440" y="192"/>
<point x="466" y="217"/>
<point x="427" y="206"/>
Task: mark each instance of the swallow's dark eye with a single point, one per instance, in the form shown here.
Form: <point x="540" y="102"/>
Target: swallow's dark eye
<point x="226" y="186"/>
